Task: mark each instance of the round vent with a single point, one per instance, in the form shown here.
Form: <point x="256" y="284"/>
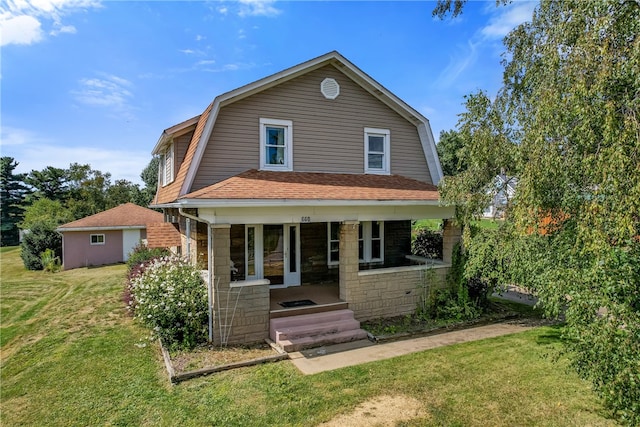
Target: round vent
<point x="330" y="88"/>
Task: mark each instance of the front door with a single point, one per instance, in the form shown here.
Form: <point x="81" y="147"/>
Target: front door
<point x="275" y="250"/>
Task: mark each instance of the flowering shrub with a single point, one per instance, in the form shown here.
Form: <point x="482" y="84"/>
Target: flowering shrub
<point x="169" y="297"/>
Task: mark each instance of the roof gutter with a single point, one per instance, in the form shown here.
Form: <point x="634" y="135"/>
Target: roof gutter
<point x="241" y="203"/>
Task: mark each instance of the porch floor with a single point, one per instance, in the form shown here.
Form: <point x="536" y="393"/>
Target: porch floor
<point x="326" y="297"/>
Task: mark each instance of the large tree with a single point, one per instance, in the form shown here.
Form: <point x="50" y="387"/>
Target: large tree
<point x="566" y="122"/>
<point x="449" y="149"/>
<point x="12" y="193"/>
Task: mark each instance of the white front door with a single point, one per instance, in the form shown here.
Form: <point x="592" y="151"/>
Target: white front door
<point x="273" y="252"/>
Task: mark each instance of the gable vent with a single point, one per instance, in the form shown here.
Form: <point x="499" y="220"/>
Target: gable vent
<point x="330" y="88"/>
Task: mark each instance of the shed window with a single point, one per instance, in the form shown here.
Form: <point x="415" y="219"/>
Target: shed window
<point x="97" y="239"/>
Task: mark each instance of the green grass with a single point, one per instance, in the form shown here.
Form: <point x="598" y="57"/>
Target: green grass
<point x="72" y="357"/>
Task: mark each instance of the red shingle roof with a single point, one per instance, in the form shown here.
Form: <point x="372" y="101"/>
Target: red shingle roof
<point x="123" y="216"/>
<point x="267" y="185"/>
<point x="163" y="235"/>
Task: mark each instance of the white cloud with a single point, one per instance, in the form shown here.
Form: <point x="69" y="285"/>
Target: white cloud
<point x="22" y="21"/>
<point x="21" y="29"/>
<point x="121" y="163"/>
<point x="206" y="62"/>
<point x="507" y="18"/>
<point x="461" y="61"/>
<point x="16" y="136"/>
<point x="199" y="38"/>
<point x="64" y="29"/>
<point x="502" y="19"/>
<point x="258" y="8"/>
<point x="107" y="91"/>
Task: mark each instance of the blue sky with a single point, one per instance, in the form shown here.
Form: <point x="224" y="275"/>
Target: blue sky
<point x="96" y="82"/>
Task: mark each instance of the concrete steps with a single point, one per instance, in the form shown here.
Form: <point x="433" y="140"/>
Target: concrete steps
<point x="295" y="333"/>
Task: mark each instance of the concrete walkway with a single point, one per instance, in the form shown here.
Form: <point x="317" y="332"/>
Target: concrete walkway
<point x="354" y="353"/>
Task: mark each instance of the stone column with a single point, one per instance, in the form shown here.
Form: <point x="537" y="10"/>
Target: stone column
<point x="349" y="263"/>
<point x="451" y="234"/>
<point x="221" y="254"/>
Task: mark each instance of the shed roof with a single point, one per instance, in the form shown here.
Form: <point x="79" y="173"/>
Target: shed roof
<point x="127" y="215"/>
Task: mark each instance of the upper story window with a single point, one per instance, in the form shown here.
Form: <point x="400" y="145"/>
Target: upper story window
<point x="166" y="166"/>
<point x="276" y="144"/>
<point x="377" y="158"/>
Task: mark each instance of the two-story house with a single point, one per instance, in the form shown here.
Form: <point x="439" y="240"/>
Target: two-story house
<point x="296" y="193"/>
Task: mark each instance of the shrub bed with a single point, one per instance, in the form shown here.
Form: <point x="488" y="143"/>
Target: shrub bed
<point x="169" y="296"/>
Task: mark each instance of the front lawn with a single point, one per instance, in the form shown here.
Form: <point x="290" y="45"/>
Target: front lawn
<point x="72" y="356"/>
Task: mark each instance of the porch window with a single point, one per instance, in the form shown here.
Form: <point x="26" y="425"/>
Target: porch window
<point x="371" y="241"/>
<point x="333" y="232"/>
<point x="276" y="144"/>
<point x="250" y="251"/>
<point x="97" y="239"/>
<point x="376" y="151"/>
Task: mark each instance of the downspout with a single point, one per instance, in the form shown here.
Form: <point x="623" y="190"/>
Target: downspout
<point x="209" y="266"/>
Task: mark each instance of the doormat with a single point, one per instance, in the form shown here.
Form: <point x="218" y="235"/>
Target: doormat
<point x="297" y="303"/>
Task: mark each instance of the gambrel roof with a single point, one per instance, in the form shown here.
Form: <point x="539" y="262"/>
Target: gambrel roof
<point x="185" y="176"/>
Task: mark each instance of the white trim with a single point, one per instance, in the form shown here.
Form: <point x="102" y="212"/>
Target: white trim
<point x="245" y="283"/>
<point x="430" y="152"/>
<point x="391" y="270"/>
<point x="167" y="165"/>
<point x="287" y="125"/>
<point x="98" y="242"/>
<point x="329" y="240"/>
<point x="386" y="153"/>
<point x="367" y="240"/>
<point x="257" y="252"/>
<point x="238" y="203"/>
<point x="330" y="88"/>
<point x="109" y="228"/>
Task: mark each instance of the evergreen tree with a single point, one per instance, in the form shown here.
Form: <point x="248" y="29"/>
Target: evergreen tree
<point x="12" y="193"/>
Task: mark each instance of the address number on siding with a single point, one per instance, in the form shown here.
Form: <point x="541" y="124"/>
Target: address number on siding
<point x="305" y="219"/>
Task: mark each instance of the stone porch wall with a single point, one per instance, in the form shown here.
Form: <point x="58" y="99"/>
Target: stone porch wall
<point x="251" y="318"/>
<point x="392" y="292"/>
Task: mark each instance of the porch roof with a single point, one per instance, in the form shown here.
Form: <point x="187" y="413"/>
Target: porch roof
<point x="310" y="186"/>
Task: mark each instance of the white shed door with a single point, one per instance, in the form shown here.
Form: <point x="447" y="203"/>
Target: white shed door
<point x="130" y="238"/>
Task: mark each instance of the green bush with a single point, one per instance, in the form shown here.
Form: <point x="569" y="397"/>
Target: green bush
<point x="50" y="262"/>
<point x="142" y="253"/>
<point x="40" y="237"/>
<point x="170" y="298"/>
<point x="427" y="243"/>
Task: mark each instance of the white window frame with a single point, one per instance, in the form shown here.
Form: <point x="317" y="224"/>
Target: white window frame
<point x="99" y="239"/>
<point x="287" y="125"/>
<point x="167" y="166"/>
<point x="367" y="240"/>
<point x="329" y="241"/>
<point x="386" y="159"/>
